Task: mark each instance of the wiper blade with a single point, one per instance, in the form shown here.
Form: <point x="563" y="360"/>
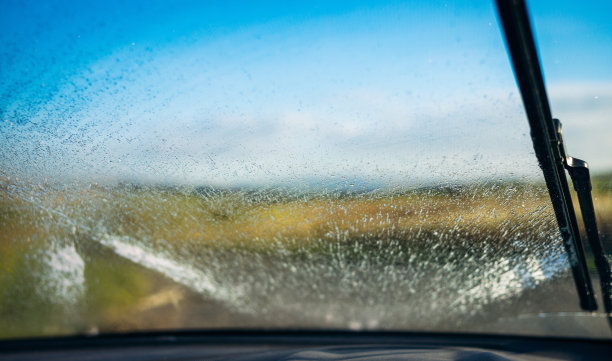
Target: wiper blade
<point x="547" y="142"/>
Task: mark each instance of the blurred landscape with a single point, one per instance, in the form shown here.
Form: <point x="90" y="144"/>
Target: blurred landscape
<point x="91" y="258"/>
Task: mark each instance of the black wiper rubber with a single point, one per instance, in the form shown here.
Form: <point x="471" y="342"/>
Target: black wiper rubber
<point x="546" y="142"/>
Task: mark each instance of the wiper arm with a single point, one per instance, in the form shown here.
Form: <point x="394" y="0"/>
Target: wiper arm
<point x="581" y="179"/>
<point x="546" y="139"/>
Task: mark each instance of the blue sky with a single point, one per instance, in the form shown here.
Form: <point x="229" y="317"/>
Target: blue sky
<point x="233" y="93"/>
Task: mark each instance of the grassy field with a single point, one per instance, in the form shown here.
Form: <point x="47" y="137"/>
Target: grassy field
<point x="208" y="225"/>
<point x="602" y="199"/>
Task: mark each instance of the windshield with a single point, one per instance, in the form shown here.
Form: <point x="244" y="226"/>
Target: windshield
<point x="345" y="165"/>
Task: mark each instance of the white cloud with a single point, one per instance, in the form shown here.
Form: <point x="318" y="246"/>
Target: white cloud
<point x="585" y="109"/>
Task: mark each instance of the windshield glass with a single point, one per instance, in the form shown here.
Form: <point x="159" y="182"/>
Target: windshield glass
<point x="346" y="165"/>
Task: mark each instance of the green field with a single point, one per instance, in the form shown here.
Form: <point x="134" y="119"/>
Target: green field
<point x="346" y="231"/>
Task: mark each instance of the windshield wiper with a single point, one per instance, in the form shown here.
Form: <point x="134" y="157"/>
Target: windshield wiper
<point x="581" y="179"/>
<point x="549" y="150"/>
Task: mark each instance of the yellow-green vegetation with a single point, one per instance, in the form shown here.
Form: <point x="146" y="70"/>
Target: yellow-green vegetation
<point x="258" y="219"/>
<point x="602" y="199"/>
<point x="36" y="218"/>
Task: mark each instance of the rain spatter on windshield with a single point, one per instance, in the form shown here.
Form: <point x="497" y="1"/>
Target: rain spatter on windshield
<point x="202" y="165"/>
<point x="427" y="258"/>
